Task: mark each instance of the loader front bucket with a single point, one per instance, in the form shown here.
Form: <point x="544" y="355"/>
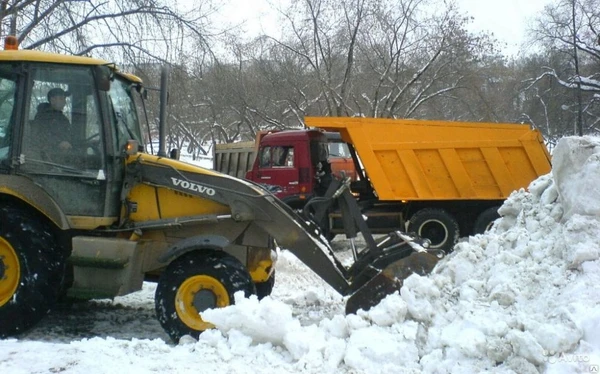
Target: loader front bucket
<point x="379" y="268"/>
<point x="390" y="280"/>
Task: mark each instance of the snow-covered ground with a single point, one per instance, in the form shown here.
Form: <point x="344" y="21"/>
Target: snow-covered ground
<point x="523" y="298"/>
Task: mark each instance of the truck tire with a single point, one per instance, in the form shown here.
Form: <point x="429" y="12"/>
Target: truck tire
<point x="437" y="225"/>
<point x="264" y="289"/>
<point x="485" y="220"/>
<point x="32" y="267"/>
<point x="193" y="283"/>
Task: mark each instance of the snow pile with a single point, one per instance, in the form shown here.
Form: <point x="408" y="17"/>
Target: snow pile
<point x="576" y="173"/>
<point x="522" y="298"/>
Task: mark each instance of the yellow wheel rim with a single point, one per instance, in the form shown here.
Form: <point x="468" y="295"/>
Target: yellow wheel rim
<point x="197" y="294"/>
<point x="10" y="271"/>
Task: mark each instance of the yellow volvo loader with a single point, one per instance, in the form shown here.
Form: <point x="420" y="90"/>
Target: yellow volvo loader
<point x="86" y="212"/>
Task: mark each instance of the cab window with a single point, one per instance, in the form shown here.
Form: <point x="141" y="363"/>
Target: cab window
<point x="277" y="157"/>
<point x="265" y="157"/>
<point x="7" y="105"/>
<point x="62" y="124"/>
<point x="339" y="149"/>
<point x="124" y="115"/>
<point x="319" y="151"/>
<point x="283" y="156"/>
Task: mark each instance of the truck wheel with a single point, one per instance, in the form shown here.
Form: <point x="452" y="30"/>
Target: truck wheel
<point x="32" y="267"/>
<point x="193" y="283"/>
<point x="437" y="225"/>
<point x="485" y="220"/>
<point x="264" y="289"/>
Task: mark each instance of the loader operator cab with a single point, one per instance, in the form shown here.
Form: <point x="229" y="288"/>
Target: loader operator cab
<point x="69" y="152"/>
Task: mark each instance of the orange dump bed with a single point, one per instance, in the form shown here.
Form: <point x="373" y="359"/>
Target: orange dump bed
<point x="441" y="160"/>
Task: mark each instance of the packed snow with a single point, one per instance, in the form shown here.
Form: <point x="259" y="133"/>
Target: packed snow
<point x="522" y="298"/>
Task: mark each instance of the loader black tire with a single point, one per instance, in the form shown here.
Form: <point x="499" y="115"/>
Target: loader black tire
<point x="264" y="289"/>
<point x="195" y="282"/>
<point x="485" y="220"/>
<point x="437" y="225"/>
<point x="32" y="267"/>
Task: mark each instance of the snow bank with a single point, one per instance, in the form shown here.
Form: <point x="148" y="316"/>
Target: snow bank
<point x="523" y="298"/>
<point x="576" y="174"/>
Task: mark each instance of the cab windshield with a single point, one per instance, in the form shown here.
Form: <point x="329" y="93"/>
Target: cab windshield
<point x="125" y="117"/>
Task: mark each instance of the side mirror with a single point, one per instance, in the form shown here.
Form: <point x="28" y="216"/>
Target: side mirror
<point x="102" y="77"/>
<point x="142" y="90"/>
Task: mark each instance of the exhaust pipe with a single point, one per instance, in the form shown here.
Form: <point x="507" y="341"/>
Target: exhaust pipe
<point x="162" y="120"/>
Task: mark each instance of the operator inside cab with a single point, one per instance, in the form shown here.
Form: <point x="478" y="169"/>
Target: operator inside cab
<point x="54" y="128"/>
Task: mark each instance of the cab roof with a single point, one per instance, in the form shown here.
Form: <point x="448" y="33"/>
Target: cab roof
<point x="57" y="58"/>
<point x="295" y="134"/>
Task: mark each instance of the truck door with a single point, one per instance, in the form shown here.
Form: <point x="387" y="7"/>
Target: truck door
<point x="277" y="167"/>
<point x="62" y="145"/>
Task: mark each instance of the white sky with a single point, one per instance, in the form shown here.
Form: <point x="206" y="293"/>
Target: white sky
<point x="506" y="19"/>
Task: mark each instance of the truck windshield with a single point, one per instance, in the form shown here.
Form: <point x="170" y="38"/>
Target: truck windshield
<point x="339" y="149"/>
<point x="124" y="113"/>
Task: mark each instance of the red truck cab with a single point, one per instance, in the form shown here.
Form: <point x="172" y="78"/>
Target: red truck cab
<point x="287" y="163"/>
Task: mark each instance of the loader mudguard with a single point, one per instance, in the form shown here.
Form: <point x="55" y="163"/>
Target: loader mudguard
<point x="31" y="194"/>
<point x="214" y="242"/>
<point x="247" y="202"/>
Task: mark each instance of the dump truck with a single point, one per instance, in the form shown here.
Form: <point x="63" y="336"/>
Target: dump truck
<point x="289" y="160"/>
<point x="439" y="179"/>
<point x="89" y="213"/>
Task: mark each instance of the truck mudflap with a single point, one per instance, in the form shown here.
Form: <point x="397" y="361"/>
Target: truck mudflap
<point x="378" y="269"/>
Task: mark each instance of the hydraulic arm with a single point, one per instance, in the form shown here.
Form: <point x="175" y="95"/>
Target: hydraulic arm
<point x="377" y="270"/>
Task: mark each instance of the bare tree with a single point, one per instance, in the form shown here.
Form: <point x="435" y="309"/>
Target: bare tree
<point x="414" y="58"/>
<point x="381" y="59"/>
<point x="121" y="29"/>
<point x="568" y="31"/>
<point x="355" y="57"/>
